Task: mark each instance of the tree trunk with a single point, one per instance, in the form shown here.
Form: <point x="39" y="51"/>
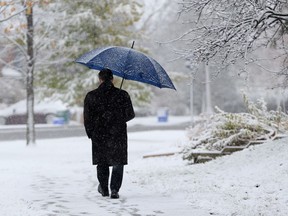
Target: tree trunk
<point x="209" y="109"/>
<point x="192" y="100"/>
<point x="30" y="132"/>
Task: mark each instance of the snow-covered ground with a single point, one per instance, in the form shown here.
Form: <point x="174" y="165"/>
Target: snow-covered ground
<point x="56" y="177"/>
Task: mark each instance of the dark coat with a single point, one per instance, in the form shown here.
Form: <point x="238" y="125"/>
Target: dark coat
<point x="106" y="111"/>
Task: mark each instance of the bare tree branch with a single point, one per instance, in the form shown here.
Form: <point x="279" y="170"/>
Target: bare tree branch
<point x="230" y="29"/>
<point x="13" y="15"/>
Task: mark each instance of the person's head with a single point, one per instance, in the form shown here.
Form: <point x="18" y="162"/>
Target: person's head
<point x="105" y="75"/>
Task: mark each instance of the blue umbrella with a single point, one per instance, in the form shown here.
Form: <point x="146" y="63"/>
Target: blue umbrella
<point x="127" y="63"/>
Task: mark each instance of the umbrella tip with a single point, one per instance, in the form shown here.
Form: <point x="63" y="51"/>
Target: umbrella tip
<point x="132" y="44"/>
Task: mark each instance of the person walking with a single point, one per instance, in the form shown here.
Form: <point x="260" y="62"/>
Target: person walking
<point x="106" y="111"/>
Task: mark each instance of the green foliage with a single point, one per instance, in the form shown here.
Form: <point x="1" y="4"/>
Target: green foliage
<point x="76" y="27"/>
<point x="98" y="23"/>
<point x="88" y="24"/>
<point x="140" y="93"/>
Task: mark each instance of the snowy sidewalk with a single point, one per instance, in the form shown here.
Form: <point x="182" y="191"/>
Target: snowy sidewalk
<point x="56" y="178"/>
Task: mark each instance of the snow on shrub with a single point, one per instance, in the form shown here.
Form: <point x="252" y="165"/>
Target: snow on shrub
<point x="235" y="129"/>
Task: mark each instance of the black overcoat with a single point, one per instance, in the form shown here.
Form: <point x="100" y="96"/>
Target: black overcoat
<point x="106" y="111"/>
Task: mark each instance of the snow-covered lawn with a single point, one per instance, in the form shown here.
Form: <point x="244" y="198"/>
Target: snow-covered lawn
<point x="56" y="177"/>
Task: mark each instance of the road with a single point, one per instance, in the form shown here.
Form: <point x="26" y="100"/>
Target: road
<point x="11" y="133"/>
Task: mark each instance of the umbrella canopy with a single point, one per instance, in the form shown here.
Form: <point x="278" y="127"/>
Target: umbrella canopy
<point x="127" y="63"/>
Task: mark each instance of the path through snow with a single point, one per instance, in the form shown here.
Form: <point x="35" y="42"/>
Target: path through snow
<point x="56" y="178"/>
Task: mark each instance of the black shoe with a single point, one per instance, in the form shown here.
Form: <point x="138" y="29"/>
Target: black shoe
<point x="114" y="194"/>
<point x="101" y="191"/>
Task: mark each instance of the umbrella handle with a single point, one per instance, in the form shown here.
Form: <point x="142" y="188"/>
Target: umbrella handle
<point x="122" y="83"/>
<point x="123" y="76"/>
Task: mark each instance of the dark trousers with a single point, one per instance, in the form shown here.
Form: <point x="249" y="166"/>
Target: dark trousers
<point x="116" y="178"/>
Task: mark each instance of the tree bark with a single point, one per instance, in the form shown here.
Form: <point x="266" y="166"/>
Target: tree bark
<point x="209" y="109"/>
<point x="30" y="132"/>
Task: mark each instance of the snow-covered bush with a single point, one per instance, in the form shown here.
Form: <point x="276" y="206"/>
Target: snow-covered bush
<point x="235" y="129"/>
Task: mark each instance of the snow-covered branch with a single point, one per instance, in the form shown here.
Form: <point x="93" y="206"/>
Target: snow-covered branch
<point x="236" y="129"/>
<point x="229" y="30"/>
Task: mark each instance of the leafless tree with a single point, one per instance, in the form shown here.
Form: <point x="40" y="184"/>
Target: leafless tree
<point x="228" y="30"/>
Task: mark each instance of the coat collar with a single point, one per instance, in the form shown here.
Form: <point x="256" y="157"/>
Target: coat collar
<point x="107" y="85"/>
